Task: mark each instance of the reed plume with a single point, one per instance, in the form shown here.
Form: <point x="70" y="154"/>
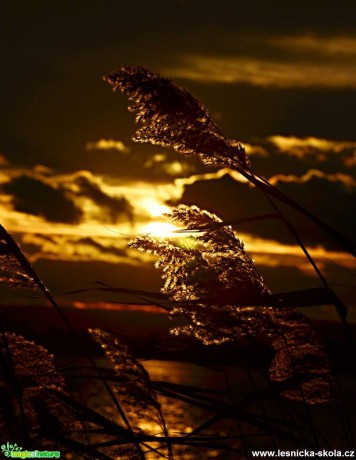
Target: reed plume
<point x="12" y="273"/>
<point x="214" y="265"/>
<point x="27" y="379"/>
<point x="135" y="393"/>
<point x="171" y="117"/>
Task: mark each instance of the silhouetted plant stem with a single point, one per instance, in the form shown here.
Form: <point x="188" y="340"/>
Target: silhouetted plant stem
<point x="33" y="275"/>
<point x="340" y="307"/>
<point x="27" y="267"/>
<point x="264" y="185"/>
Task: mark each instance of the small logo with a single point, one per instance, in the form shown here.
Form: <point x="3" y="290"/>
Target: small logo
<point x="15" y="451"/>
<point x="9" y="448"/>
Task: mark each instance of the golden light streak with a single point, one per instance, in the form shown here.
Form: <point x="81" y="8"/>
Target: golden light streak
<point x="161" y="229"/>
<point x="273" y="254"/>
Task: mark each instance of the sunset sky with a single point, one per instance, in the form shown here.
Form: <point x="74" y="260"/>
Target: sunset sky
<point x="278" y="76"/>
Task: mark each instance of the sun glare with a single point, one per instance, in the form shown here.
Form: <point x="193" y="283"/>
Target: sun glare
<point x="162" y="229"/>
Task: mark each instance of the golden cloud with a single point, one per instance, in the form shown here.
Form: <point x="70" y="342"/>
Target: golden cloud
<point x="340" y="46"/>
<point x="79" y="249"/>
<point x="345" y="179"/>
<point x="300" y="146"/>
<point x="259" y="71"/>
<point x="108" y="144"/>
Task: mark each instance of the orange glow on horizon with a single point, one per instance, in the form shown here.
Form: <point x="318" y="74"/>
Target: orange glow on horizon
<point x="116" y="307"/>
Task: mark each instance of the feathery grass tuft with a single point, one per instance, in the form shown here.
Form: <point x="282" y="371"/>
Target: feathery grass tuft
<point x="218" y="266"/>
<point x="171" y="117"/>
<point x="133" y="387"/>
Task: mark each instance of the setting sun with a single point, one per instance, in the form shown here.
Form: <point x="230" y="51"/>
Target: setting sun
<point x="162" y="229"/>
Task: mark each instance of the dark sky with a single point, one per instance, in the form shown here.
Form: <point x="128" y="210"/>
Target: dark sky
<point x="54" y="54"/>
<point x="279" y="76"/>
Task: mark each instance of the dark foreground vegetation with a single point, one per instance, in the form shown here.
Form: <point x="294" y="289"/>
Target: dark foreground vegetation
<point x="277" y="382"/>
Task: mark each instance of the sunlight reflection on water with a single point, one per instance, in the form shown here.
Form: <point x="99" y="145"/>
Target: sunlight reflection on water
<point x="182" y="418"/>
